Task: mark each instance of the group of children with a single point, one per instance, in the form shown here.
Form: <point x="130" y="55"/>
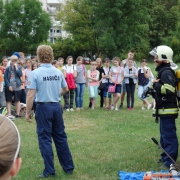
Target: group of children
<point x="14" y="76"/>
<point x="122" y="77"/>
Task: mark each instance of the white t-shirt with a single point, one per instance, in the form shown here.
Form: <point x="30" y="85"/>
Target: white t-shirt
<point x="141" y="68"/>
<point x="106" y="71"/>
<point x="114" y="73"/>
<point x="70" y="69"/>
<point x="27" y="75"/>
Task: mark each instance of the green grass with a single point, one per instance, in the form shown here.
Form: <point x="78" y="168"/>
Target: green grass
<point x="102" y="143"/>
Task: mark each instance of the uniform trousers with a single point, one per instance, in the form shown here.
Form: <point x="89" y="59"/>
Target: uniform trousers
<point x="50" y="125"/>
<point x="168" y="139"/>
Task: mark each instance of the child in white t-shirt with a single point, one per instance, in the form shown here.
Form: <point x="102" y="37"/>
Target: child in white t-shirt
<point x="116" y="76"/>
<point x="70" y="73"/>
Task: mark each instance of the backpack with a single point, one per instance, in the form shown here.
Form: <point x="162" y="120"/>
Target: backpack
<point x="70" y="81"/>
<point x="142" y="80"/>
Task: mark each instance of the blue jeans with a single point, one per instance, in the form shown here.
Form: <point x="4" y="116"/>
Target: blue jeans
<point x="79" y="94"/>
<point x="105" y="91"/>
<point x="141" y="90"/>
<point x="124" y="90"/>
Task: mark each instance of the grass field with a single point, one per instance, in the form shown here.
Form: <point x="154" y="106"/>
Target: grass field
<point x="102" y="143"/>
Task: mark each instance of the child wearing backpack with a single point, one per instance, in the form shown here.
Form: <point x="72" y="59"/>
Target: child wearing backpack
<point x="93" y="83"/>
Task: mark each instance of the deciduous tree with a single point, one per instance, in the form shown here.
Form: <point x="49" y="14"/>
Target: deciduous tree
<point x="25" y="24"/>
<point x="164" y="17"/>
<point x="107" y="26"/>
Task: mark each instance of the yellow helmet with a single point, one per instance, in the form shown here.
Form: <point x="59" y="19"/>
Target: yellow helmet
<point x="164" y="53"/>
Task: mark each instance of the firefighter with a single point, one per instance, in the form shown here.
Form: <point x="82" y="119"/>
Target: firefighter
<point x="166" y="102"/>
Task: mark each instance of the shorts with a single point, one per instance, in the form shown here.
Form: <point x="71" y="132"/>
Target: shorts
<point x="124" y="87"/>
<point x="105" y="91"/>
<point x="118" y="88"/>
<point x="9" y="95"/>
<point x="93" y="91"/>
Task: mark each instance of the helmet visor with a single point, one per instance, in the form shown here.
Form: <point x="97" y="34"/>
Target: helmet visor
<point x="153" y="52"/>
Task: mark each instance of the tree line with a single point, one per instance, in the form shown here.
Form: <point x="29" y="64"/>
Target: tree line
<point x="102" y="28"/>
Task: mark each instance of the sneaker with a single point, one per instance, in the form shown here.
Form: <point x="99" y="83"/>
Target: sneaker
<point x="112" y="107"/>
<point x="67" y="109"/>
<point x="132" y="108"/>
<point x="116" y="109"/>
<point x="129" y="109"/>
<point x="121" y="106"/>
<point x="149" y="106"/>
<point x="77" y="109"/>
<point x="92" y="108"/>
<point x="71" y="109"/>
<point x="143" y="108"/>
<point x="17" y="116"/>
<point x="10" y="117"/>
<point x="82" y="109"/>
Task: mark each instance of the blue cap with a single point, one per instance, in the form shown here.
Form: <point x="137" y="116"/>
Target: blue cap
<point x="17" y="54"/>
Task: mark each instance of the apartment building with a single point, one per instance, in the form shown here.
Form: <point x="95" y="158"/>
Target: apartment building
<point x="53" y="7"/>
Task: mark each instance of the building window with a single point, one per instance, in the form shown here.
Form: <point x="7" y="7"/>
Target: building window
<point x="58" y="30"/>
<point x="51" y="40"/>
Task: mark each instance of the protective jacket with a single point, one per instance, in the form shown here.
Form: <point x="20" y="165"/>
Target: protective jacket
<point x="166" y="96"/>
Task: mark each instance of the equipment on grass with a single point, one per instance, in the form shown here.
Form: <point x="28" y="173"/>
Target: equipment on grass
<point x="173" y="173"/>
<point x="175" y="164"/>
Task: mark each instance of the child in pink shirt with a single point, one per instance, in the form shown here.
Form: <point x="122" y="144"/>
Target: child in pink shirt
<point x="93" y="82"/>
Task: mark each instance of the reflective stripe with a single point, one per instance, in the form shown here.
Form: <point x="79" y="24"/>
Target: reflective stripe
<point x="167" y="111"/>
<point x="169" y="87"/>
<point x="163" y="89"/>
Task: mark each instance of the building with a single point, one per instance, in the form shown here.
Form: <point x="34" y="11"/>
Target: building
<point x="53" y="7"/>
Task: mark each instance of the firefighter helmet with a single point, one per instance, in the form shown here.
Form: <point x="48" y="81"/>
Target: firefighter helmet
<point x="164" y="53"/>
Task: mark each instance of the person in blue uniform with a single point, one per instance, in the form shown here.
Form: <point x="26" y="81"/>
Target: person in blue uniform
<point x="48" y="84"/>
